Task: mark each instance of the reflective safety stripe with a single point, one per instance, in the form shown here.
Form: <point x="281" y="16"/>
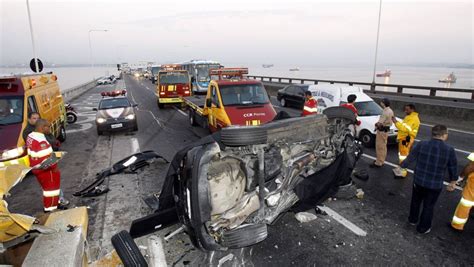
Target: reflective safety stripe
<point x="471" y="157"/>
<point x="51" y="193"/>
<point x="407" y="126"/>
<point x="41" y="153"/>
<point x="466" y="203"/>
<point x="50" y="208"/>
<point x="458" y="220"/>
<point x="2" y="164"/>
<point x="310" y="109"/>
<point x="401" y="157"/>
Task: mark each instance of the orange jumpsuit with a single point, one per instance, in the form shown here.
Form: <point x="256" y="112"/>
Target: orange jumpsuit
<point x="310" y="107"/>
<point x="467" y="200"/>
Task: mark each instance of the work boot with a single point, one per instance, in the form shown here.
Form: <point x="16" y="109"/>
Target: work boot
<point x="399" y="173"/>
<point x="63" y="204"/>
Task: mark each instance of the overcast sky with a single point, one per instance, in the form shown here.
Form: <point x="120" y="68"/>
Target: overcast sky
<point x="258" y="31"/>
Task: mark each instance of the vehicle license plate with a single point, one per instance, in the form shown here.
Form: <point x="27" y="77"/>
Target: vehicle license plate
<point x="118" y="125"/>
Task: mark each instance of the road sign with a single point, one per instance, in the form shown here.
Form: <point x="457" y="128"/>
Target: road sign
<point x="33" y="65"/>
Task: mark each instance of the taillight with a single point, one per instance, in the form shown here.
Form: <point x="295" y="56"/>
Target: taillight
<point x="162" y="93"/>
<point x="186" y="92"/>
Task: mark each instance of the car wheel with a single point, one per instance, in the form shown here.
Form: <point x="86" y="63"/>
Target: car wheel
<point x="127" y="250"/>
<point x="192" y="118"/>
<point x="135" y="128"/>
<point x="244" y="235"/>
<point x="367" y="138"/>
<point x="62" y="134"/>
<point x="243" y="136"/>
<point x="160" y="105"/>
<point x="283" y="102"/>
<point x="71" y="117"/>
<point x="99" y="132"/>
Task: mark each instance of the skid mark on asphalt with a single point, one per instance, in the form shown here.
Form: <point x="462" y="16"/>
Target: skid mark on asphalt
<point x="409" y="170"/>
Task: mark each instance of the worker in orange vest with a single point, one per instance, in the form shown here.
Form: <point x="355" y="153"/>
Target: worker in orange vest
<point x="467" y="200"/>
<point x="310" y="104"/>
<point x="39" y="149"/>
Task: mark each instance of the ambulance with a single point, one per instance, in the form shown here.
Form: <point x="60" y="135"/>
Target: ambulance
<point x="173" y="84"/>
<point x="19" y="95"/>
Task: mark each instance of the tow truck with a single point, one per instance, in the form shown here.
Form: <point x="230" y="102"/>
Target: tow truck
<point x="231" y="99"/>
<point x="173" y="84"/>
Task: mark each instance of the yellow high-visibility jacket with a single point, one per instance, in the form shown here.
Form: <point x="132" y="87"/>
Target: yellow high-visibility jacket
<point x="408" y="127"/>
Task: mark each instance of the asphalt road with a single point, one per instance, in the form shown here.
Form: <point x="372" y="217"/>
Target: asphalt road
<point x="382" y="213"/>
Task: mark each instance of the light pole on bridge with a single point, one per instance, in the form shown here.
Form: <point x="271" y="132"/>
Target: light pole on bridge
<point x="377" y="44"/>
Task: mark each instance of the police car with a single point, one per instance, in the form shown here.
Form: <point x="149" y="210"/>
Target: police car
<point x="115" y="113"/>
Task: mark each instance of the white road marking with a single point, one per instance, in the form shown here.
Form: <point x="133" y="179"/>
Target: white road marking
<point x="181" y="112"/>
<point x="410" y="171"/>
<point x="348" y="224"/>
<point x="450" y="129"/>
<point x="457" y="149"/>
<point x="135" y="145"/>
<point x="153" y="115"/>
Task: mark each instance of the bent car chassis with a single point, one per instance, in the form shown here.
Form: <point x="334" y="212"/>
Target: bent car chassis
<point x="226" y="188"/>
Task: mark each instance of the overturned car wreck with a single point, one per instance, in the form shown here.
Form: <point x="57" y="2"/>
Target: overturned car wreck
<point x="226" y="188"/>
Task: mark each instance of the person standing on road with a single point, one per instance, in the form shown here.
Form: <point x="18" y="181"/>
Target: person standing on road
<point x="350" y="105"/>
<point x="39" y="149"/>
<point x="382" y="127"/>
<point x="433" y="158"/>
<point x="30" y="125"/>
<point x="467" y="200"/>
<point x="310" y="104"/>
<point x="407" y="131"/>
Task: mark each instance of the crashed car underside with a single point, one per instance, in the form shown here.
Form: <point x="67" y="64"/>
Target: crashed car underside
<point x="226" y="188"/>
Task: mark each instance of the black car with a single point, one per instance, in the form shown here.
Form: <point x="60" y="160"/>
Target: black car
<point x="228" y="187"/>
<point x="115" y="114"/>
<point x="292" y="95"/>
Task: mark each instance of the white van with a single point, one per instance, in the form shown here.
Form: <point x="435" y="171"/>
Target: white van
<point x="329" y="95"/>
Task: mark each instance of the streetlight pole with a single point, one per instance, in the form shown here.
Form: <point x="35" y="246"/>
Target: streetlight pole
<point x="90" y="50"/>
<point x="377" y="43"/>
<point x="32" y="36"/>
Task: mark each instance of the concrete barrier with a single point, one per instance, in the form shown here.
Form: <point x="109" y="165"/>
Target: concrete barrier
<point x="74" y="92"/>
<point x="459" y="115"/>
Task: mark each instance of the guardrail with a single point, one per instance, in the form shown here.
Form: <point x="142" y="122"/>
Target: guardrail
<point x="454" y="94"/>
<point x="71" y="93"/>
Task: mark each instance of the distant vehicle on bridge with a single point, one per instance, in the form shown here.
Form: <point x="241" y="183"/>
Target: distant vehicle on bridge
<point x="154" y="73"/>
<point x="266" y="66"/>
<point x="450" y="79"/>
<point x="20" y="95"/>
<point x="173" y="84"/>
<point x="199" y="72"/>
<point x="386" y="73"/>
<point x="295" y="69"/>
<point x="115" y="113"/>
<point x="231" y="100"/>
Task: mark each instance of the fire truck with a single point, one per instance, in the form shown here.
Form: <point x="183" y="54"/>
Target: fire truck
<point x="231" y="99"/>
<point x="173" y="84"/>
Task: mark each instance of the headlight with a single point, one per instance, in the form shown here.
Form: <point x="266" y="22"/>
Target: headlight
<point x="130" y="117"/>
<point x="12" y="153"/>
<point x="101" y="120"/>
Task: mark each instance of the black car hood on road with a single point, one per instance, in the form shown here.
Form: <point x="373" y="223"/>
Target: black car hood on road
<point x="114" y="113"/>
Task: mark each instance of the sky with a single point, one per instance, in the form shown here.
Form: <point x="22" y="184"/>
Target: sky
<point x="315" y="32"/>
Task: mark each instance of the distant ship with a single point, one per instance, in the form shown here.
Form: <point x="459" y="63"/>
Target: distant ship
<point x="266" y="66"/>
<point x="295" y="69"/>
<point x="386" y="73"/>
<point x="450" y="79"/>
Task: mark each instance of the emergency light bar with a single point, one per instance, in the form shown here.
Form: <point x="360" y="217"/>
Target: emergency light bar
<point x="229" y="73"/>
<point x="114" y="93"/>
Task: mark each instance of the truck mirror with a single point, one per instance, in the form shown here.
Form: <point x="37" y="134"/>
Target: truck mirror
<point x="94" y="109"/>
<point x="208" y="102"/>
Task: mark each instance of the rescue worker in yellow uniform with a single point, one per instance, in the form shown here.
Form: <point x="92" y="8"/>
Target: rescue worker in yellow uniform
<point x="407" y="131"/>
<point x="467" y="200"/>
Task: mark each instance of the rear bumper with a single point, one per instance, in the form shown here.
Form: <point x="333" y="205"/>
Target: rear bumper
<point x="170" y="100"/>
<point x="22" y="161"/>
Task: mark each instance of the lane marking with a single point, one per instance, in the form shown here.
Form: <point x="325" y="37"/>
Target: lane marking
<point x="153" y="115"/>
<point x="181" y="112"/>
<point x="449" y="129"/>
<point x="456" y="149"/>
<point x="135" y="145"/>
<point x="409" y="170"/>
<point x="345" y="222"/>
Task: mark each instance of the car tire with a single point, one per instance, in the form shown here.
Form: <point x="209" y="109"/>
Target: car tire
<point x="244" y="235"/>
<point x="244" y="136"/>
<point x="340" y="113"/>
<point x="135" y="128"/>
<point x="62" y="134"/>
<point x="283" y="102"/>
<point x="192" y="118"/>
<point x="71" y="117"/>
<point x="367" y="138"/>
<point x="127" y="250"/>
<point x="99" y="132"/>
<point x="160" y="105"/>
